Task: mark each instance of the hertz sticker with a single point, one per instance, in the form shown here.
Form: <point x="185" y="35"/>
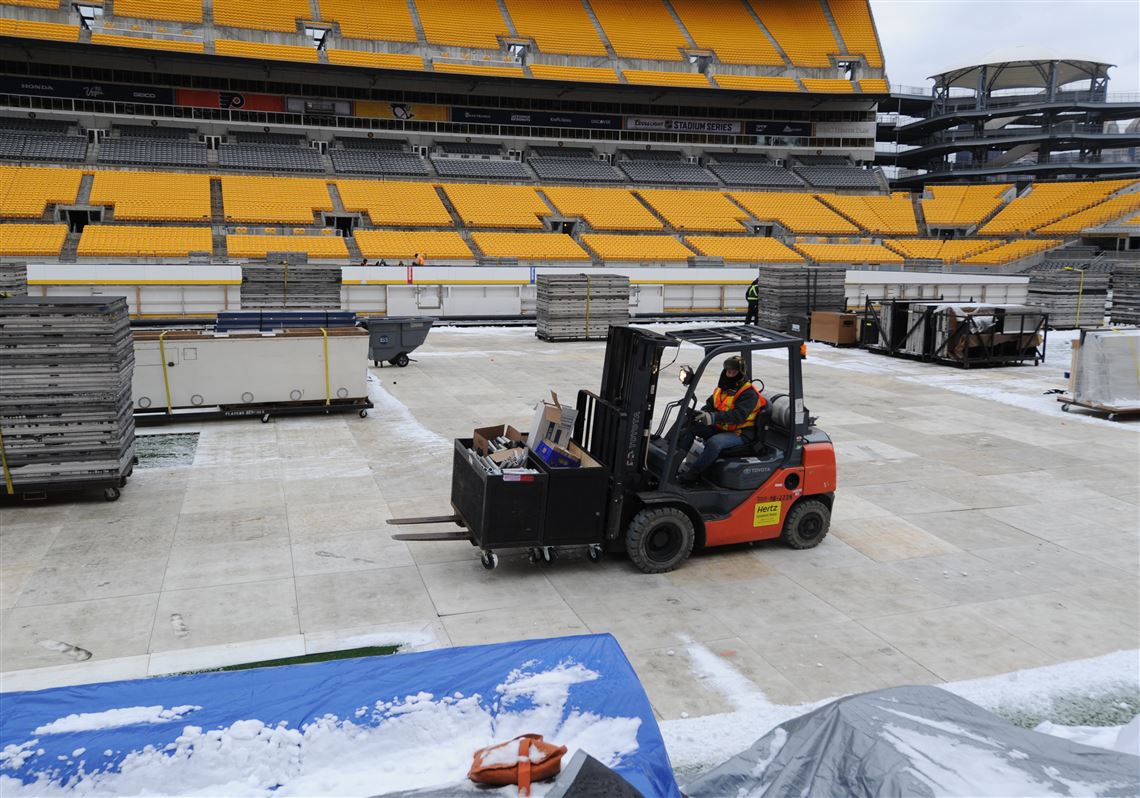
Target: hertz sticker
<point x="766" y="514"/>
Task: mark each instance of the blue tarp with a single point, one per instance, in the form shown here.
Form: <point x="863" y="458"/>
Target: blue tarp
<point x="301" y="694"/>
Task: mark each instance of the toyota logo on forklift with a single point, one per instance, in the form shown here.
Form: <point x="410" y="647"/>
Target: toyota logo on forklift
<point x="624" y="494"/>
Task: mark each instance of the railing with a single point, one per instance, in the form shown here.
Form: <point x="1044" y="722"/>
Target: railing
<point x="1018" y="132"/>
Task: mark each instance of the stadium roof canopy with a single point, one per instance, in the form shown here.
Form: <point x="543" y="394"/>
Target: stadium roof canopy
<point x="1021" y="68"/>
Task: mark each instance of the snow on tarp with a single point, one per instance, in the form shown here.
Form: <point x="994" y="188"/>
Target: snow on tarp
<point x="349" y="727"/>
<point x="915" y="741"/>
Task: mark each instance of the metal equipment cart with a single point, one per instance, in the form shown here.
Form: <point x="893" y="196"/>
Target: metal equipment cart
<point x="392" y="338"/>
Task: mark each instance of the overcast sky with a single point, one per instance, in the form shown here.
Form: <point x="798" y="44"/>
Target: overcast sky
<point x="923" y="37"/>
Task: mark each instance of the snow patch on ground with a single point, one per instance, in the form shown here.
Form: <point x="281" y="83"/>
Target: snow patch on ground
<point x="1125" y="739"/>
<point x="407" y="743"/>
<point x="391" y="410"/>
<point x="112" y="718"/>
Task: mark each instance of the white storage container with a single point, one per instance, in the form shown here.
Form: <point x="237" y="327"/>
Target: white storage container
<point x="208" y="369"/>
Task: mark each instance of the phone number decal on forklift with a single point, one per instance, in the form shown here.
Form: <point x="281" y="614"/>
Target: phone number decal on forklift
<point x="767" y="513"/>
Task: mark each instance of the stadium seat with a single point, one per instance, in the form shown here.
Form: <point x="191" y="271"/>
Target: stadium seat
<point x="394" y="203"/>
<point x="277" y="15"/>
<point x="123" y="241"/>
<point x="21" y="240"/>
<point x="26" y="191"/>
<point x="364" y="58"/>
<point x="529" y="246"/>
<point x="797" y="213"/>
<point x="744" y="249"/>
<point x="1110" y="210"/>
<point x="574" y="73"/>
<point x="480" y="69"/>
<point x="800" y="28"/>
<point x="603" y="208"/>
<point x="384" y="20"/>
<point x="274" y="200"/>
<point x="637" y="248"/>
<point x="261" y="50"/>
<point x="961" y="206"/>
<point x="485" y="168"/>
<point x="162" y="152"/>
<point x="32" y="29"/>
<point x="650" y="77"/>
<point x="270" y="157"/>
<point x="756" y="83"/>
<point x="874" y="86"/>
<point x="557" y="26"/>
<point x="1044" y="203"/>
<point x="1011" y="251"/>
<point x="402" y="245"/>
<point x="257" y="247"/>
<point x="175" y="10"/>
<point x="947" y="251"/>
<point x="853" y="19"/>
<point x="728" y="30"/>
<point x="496" y="206"/>
<point x="696" y="210"/>
<point x="893" y="215"/>
<point x="828" y="85"/>
<point x="179" y="45"/>
<point x="472" y="23"/>
<point x="641" y="29"/>
<point x="31" y="146"/>
<point x="153" y="196"/>
<point x="579" y="170"/>
<point x="849" y="253"/>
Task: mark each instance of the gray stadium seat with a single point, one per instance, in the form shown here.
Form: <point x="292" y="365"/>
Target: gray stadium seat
<point x="466" y="148"/>
<point x="839" y="176"/>
<point x="162" y="152"/>
<point x="280" y="139"/>
<point x="667" y="172"/>
<point x="480" y="167"/>
<point x="35" y="147"/>
<point x="754" y="174"/>
<point x="273" y="158"/>
<point x="584" y="169"/>
<point x="34" y="125"/>
<point x="378" y="162"/>
<point x="373" y="144"/>
<point x="153" y="132"/>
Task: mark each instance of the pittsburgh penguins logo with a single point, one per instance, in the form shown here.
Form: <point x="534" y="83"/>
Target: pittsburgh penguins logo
<point x="402" y="111"/>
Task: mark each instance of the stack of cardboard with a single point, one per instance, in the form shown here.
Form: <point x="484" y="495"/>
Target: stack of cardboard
<point x="65" y="392"/>
<point x="1126" y="293"/>
<point x="550" y="434"/>
<point x="13" y="279"/>
<point x="581" y="307"/>
<point x="299" y="287"/>
<point x="1071" y="298"/>
<point x="789" y="292"/>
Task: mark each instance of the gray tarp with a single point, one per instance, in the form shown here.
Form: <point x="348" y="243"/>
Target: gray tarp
<point x="915" y="741"/>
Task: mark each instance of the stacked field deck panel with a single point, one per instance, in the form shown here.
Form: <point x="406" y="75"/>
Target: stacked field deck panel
<point x="65" y="392"/>
<point x="1126" y="293"/>
<point x="787" y="292"/>
<point x="13" y="279"/>
<point x="1070" y="298"/>
<point x="295" y="287"/>
<point x="581" y="307"/>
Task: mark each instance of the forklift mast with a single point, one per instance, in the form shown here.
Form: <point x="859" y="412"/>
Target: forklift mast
<point x="613" y="425"/>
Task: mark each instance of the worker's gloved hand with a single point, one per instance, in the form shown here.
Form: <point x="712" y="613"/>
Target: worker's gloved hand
<point x="705" y="418"/>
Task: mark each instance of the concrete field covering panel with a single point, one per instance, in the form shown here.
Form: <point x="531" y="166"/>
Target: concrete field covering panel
<point x="977" y="530"/>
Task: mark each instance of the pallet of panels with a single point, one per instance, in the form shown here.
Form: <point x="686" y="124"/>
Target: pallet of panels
<point x="66" y="365"/>
<point x="1126" y="293"/>
<point x="13" y="279"/>
<point x="580" y="307"/>
<point x="1071" y="298"/>
<point x="290" y="287"/>
<point x="791" y="292"/>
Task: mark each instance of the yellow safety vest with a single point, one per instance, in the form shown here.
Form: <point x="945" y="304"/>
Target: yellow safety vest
<point x="722" y="401"/>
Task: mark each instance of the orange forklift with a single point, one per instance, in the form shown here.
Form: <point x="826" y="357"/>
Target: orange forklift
<point x="625" y="496"/>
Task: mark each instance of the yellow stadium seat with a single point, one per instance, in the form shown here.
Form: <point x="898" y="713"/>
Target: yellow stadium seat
<point x="853" y="18"/>
<point x="257" y="247"/>
<point x="383" y="20"/>
<point x="744" y="249"/>
<point x="893" y="215"/>
<point x="1011" y="251"/>
<point x="695" y="210"/>
<point x="279" y="15"/>
<point x="946" y="250"/>
<point x="26" y="191"/>
<point x="472" y="23"/>
<point x="961" y="206"/>
<point x="362" y="58"/>
<point x="798" y="213"/>
<point x="800" y="28"/>
<point x="31" y="29"/>
<point x="147" y="44"/>
<point x="728" y="30"/>
<point x="613" y="247"/>
<point x="529" y="246"/>
<point x="1108" y="211"/>
<point x="479" y="69"/>
<point x="395" y="203"/>
<point x="874" y="86"/>
<point x="129" y="241"/>
<point x="1048" y="202"/>
<point x="651" y="77"/>
<point x="34" y="4"/>
<point x="828" y="85"/>
<point x="557" y="26"/>
<point x="397" y="245"/>
<point x="849" y="253"/>
<point x="642" y="29"/>
<point x="160" y="196"/>
<point x="283" y="200"/>
<point x="581" y="74"/>
<point x="603" y="208"/>
<point x="176" y="10"/>
<point x="272" y="52"/>
<point x="497" y="206"/>
<point x="17" y="239"/>
<point x="756" y="83"/>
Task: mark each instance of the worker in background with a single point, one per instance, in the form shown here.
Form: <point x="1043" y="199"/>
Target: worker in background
<point x="419" y="259"/>
<point x="753" y="297"/>
<point x="383" y="262"/>
<point x="728" y="419"/>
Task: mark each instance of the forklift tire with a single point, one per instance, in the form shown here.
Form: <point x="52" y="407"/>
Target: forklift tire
<point x="659" y="539"/>
<point x="806" y="525"/>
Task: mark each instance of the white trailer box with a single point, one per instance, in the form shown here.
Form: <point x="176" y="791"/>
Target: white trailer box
<point x="209" y="369"/>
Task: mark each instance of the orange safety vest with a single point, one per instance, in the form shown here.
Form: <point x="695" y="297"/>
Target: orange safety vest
<point x="722" y="401"/>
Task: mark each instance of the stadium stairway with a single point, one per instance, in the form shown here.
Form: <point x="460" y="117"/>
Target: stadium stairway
<point x="836" y="210"/>
<point x="610" y="51"/>
<point x="779" y="48"/>
<point x="84" y="195"/>
<point x="834" y="28"/>
<point x="919" y="213"/>
<point x="217" y="203"/>
<point x="668" y="228"/>
<point x="677" y="19"/>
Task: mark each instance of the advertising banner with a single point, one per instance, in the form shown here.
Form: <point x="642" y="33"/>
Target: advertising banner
<point x="683" y="125"/>
<point x="851" y="130"/>
<point x="405" y="111"/>
<point x="504" y="116"/>
<point x="86" y="90"/>
<point x="779" y="129"/>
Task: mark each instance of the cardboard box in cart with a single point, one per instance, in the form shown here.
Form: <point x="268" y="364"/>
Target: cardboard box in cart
<point x="552" y="422"/>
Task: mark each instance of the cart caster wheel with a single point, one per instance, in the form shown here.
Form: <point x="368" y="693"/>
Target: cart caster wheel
<point x="1065" y="408"/>
<point x="594" y="553"/>
<point x="400" y="360"/>
<point x="533" y="556"/>
<point x="375" y="362"/>
<point x="489" y="560"/>
<point x="549" y="555"/>
<point x="111" y="494"/>
<point x="122" y="482"/>
<point x="363" y="414"/>
<point x="264" y="418"/>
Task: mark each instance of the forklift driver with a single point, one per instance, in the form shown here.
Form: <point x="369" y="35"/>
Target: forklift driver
<point x="728" y="419"/>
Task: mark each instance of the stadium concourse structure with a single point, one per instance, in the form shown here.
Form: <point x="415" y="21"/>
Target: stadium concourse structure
<point x="515" y="134"/>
